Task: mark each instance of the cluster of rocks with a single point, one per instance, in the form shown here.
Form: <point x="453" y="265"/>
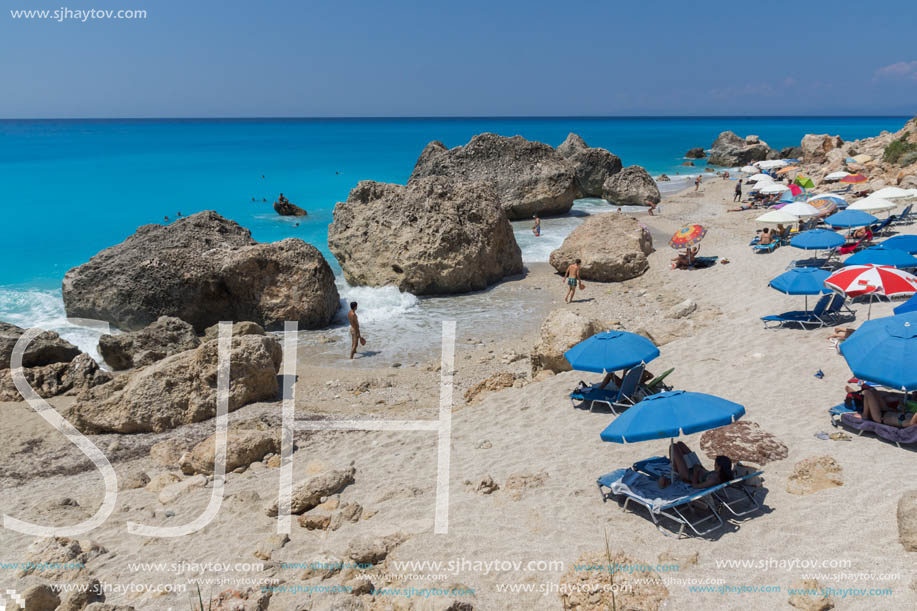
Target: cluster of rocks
<point x="447" y="231"/>
<point x="203" y="269"/>
<point x="51" y="366"/>
<point x="730" y="149"/>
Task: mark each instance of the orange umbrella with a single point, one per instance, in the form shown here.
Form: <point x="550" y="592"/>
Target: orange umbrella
<point x="789" y="168"/>
<point x="854" y="179"/>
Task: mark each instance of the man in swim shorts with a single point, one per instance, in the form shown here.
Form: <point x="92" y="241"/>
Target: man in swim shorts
<point x="571" y="278"/>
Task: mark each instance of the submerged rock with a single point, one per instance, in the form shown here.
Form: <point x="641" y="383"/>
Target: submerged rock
<point x="182" y="388"/>
<point x="631" y="186"/>
<point x="434" y="236"/>
<point x="592" y="166"/>
<point x="285" y="208"/>
<point x="529" y="177"/>
<point x="696" y="153"/>
<point x="612" y="247"/>
<point x="203" y="269"/>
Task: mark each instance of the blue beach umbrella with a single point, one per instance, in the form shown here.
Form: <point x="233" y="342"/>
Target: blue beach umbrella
<point x="817" y="239"/>
<point x="850" y="218"/>
<point x="884" y="351"/>
<point x="801" y="281"/>
<point x="907" y="243"/>
<point x="670" y="414"/>
<point x="880" y="255"/>
<point x="908" y="306"/>
<point x="611" y="351"/>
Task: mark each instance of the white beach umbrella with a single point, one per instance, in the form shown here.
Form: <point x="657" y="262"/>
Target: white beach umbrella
<point x="912" y="193"/>
<point x="872" y="204"/>
<point x="836" y="175"/>
<point x="777" y="217"/>
<point x="773" y="188"/>
<point x="758" y="177"/>
<point x="770" y="164"/>
<point x="892" y="193"/>
<point x="801" y="210"/>
<point x="749" y="169"/>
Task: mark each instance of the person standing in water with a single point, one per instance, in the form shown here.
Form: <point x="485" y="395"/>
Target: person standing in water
<point x="571" y="278"/>
<point x="536" y="228"/>
<point x="355" y="337"/>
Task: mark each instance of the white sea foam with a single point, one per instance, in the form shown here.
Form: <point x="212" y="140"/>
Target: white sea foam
<point x="44" y="309"/>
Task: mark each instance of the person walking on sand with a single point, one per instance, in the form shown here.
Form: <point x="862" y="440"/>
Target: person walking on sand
<point x="571" y="278"/>
<point x="536" y="228"/>
<point x="738" y="192"/>
<point x="355" y="337"/>
<point x="697" y="183"/>
<point x="652" y="207"/>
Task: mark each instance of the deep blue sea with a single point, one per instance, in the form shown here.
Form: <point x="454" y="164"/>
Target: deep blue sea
<point x="71" y="188"/>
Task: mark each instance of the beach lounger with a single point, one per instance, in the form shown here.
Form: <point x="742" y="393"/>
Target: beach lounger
<point x="802" y="318"/>
<point x="737" y="496"/>
<point x="905" y="217"/>
<point x="622" y="397"/>
<point x="670" y="502"/>
<point x="657" y="384"/>
<point x="759" y="248"/>
<point x="880" y="227"/>
<point x="894" y="434"/>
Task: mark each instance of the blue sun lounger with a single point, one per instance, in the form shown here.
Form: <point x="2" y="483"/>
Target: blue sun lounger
<point x="667" y="502"/>
<point x="825" y="312"/>
<point x="737" y="497"/>
<point x="612" y="397"/>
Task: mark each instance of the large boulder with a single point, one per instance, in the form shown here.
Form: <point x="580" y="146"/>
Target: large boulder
<point x="182" y="388"/>
<point x="82" y="373"/>
<point x="530" y="177"/>
<point x="434" y="236"/>
<point x="560" y="331"/>
<point x="612" y="247"/>
<point x="730" y="150"/>
<point x="696" y="153"/>
<point x="592" y="166"/>
<point x="816" y="146"/>
<point x="203" y="269"/>
<point x="243" y="447"/>
<point x="791" y="152"/>
<point x="167" y="336"/>
<point x="632" y="185"/>
<point x="45" y="349"/>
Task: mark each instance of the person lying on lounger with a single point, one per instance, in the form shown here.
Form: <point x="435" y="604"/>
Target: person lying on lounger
<point x="877" y="409"/>
<point x="689" y="469"/>
<point x="616" y="381"/>
<point x="766" y="237"/>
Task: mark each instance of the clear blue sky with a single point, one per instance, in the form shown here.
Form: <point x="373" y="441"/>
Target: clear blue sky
<point x="232" y="58"/>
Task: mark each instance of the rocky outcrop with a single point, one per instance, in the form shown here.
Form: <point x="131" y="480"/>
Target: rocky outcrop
<point x="560" y="331"/>
<point x="167" y="336"/>
<point x="791" y="152"/>
<point x="434" y="236"/>
<point x="743" y="441"/>
<point x="45" y="349"/>
<point x="612" y="248"/>
<point x="238" y="329"/>
<point x="696" y="153"/>
<point x="529" y="177"/>
<point x="633" y="185"/>
<point x="203" y="269"/>
<point x="907" y="520"/>
<point x="592" y="166"/>
<point x="285" y="208"/>
<point x="497" y="381"/>
<point x="182" y="388"/>
<point x="80" y="374"/>
<point x="815" y="147"/>
<point x="731" y="150"/>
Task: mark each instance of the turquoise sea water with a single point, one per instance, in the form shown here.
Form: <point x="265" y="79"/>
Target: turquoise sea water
<point x="71" y="188"/>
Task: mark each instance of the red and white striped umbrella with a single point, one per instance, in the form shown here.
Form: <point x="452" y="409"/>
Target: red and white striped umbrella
<point x="856" y="280"/>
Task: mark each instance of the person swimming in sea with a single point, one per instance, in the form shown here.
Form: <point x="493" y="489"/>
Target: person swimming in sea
<point x="166" y="218"/>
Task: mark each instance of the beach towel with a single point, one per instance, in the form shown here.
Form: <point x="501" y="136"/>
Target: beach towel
<point x="640" y="486"/>
<point x="894" y="434"/>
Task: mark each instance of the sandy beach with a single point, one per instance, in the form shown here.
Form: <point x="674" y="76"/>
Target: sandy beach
<point x="523" y="463"/>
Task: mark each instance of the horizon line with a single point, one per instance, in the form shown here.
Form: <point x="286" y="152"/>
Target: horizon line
<point x="461" y="117"/>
